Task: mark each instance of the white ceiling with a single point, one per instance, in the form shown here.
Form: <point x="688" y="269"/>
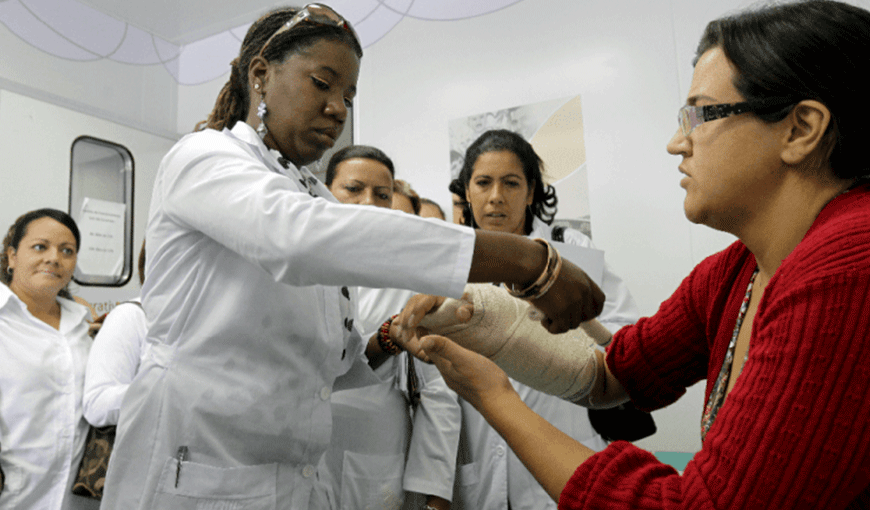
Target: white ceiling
<point x="194" y="39"/>
<point x="184" y="21"/>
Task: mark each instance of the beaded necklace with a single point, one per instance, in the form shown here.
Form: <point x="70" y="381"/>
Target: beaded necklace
<point x="717" y="397"/>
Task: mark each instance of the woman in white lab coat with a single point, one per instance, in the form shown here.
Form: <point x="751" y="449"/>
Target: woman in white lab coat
<point x="249" y="263"/>
<point x="44" y="346"/>
<point x="374" y="432"/>
<point x="504" y="191"/>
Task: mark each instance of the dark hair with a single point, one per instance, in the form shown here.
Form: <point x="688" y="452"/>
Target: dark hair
<point x="141" y="264"/>
<point x="232" y="101"/>
<point x="808" y="50"/>
<point x="403" y="188"/>
<point x="357" y="151"/>
<point x="19" y="229"/>
<point x="432" y="202"/>
<point x="544" y="199"/>
<point x="458" y="189"/>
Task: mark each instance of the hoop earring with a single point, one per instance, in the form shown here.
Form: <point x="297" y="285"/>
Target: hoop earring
<point x="262" y="130"/>
<point x="9" y="271"/>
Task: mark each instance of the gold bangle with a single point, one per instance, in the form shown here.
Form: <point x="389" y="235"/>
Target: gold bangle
<point x="547" y="278"/>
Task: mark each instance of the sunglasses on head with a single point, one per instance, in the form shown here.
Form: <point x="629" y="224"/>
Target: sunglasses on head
<point x="317" y="14"/>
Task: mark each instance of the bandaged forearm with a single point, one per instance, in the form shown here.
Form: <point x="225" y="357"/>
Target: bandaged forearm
<point x="508" y="331"/>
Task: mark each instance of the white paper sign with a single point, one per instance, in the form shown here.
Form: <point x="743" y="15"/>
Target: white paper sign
<point x="102" y="227"/>
<point x="589" y="260"/>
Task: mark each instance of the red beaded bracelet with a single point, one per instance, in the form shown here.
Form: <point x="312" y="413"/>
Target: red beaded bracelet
<point x="384" y="341"/>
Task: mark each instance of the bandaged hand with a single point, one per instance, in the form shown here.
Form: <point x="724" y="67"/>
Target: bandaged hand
<point x="508" y="331"/>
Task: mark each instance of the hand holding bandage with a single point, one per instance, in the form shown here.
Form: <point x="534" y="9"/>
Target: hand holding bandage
<point x="508" y="331"/>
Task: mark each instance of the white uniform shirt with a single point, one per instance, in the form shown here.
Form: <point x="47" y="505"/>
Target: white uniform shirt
<point x="489" y="472"/>
<point x="249" y="325"/>
<point x="42" y="431"/>
<point x="113" y="362"/>
<point x="373" y="432"/>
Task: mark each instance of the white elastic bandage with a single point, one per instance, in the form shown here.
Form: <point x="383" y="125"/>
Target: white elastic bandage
<point x="508" y="331"/>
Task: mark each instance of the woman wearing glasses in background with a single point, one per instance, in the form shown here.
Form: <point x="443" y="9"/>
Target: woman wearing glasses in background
<point x="778" y="324"/>
<point x="250" y="318"/>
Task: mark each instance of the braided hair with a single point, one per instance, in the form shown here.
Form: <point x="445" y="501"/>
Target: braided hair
<point x="232" y="102"/>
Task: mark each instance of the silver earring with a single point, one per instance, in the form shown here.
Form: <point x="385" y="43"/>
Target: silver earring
<point x="9" y="271"/>
<point x="262" y="130"/>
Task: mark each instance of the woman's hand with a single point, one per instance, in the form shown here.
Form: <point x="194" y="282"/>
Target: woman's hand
<point x="474" y="377"/>
<point x="573" y="298"/>
<point x="548" y="453"/>
<point x="404" y="328"/>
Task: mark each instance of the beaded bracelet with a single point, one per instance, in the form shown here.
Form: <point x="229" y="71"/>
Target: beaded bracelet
<point x="548" y="277"/>
<point x="384" y="341"/>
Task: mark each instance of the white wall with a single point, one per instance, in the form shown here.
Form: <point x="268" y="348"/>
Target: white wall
<point x="35" y="142"/>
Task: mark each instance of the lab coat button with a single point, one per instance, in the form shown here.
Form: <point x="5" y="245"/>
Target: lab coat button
<point x="325" y="393"/>
<point x="308" y="471"/>
<point x="499" y="451"/>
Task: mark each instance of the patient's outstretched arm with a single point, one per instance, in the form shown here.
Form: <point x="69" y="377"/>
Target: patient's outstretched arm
<point x="508" y="331"/>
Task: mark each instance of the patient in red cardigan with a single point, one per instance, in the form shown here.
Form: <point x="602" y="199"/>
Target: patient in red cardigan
<point x="778" y="324"/>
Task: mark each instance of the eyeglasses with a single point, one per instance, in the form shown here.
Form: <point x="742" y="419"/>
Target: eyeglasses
<point x="691" y="117"/>
<point x="317" y="14"/>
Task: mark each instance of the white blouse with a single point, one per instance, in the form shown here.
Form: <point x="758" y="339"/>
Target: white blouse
<point x="42" y="431"/>
<point x="113" y="362"/>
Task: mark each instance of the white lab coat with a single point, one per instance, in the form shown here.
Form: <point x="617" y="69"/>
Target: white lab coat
<point x="489" y="473"/>
<point x="379" y="452"/>
<point x="249" y="327"/>
<point x="42" y="432"/>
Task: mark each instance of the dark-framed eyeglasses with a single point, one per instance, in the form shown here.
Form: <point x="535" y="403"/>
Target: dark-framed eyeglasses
<point x="691" y="117"/>
<point x="317" y="14"/>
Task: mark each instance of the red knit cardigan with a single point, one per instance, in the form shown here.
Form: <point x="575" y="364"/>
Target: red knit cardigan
<point x="794" y="432"/>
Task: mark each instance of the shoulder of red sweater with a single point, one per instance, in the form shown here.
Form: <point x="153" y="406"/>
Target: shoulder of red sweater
<point x="734" y="255"/>
<point x="839" y="240"/>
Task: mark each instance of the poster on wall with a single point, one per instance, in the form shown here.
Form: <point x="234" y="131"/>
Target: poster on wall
<point x="555" y="130"/>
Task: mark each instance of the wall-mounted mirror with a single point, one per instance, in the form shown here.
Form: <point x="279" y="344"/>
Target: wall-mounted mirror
<point x="101" y="202"/>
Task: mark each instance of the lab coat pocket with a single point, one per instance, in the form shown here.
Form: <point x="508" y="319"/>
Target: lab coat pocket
<point x="372" y="482"/>
<point x="468" y="486"/>
<point x="202" y="487"/>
